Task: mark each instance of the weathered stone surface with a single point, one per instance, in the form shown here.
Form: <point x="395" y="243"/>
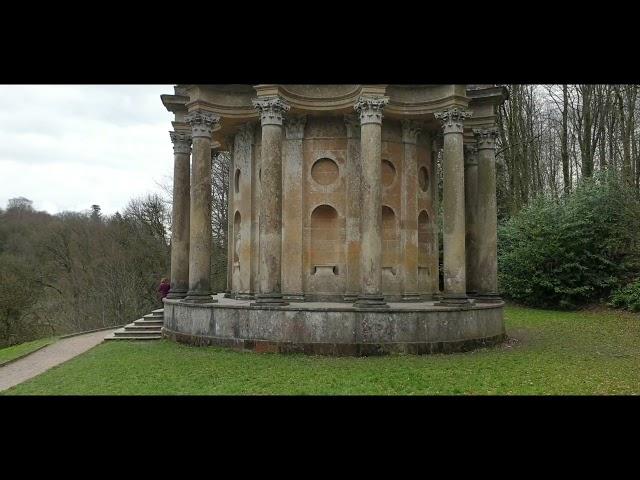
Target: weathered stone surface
<point x="330" y="328"/>
<point x="333" y="197"/>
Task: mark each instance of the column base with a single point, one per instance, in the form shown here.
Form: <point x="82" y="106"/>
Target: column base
<point x="293" y="297"/>
<point x="488" y="298"/>
<point x="411" y="297"/>
<point x="177" y="294"/>
<point x="350" y="297"/>
<point x="269" y="300"/>
<point x="228" y="294"/>
<point x="245" y="296"/>
<point x="455" y="300"/>
<point x="199" y="297"/>
<point x="370" y="302"/>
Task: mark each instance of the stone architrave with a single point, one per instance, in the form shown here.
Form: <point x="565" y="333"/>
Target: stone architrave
<point x="454" y="259"/>
<point x="370" y="110"/>
<point x="272" y="110"/>
<point x="487" y="257"/>
<point x="202" y="125"/>
<point x="180" y="214"/>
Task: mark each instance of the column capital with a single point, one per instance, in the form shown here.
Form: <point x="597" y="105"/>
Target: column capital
<point x="352" y="123"/>
<point x="470" y="155"/>
<point x="181" y="141"/>
<point x="272" y="109"/>
<point x="486" y="137"/>
<point x="452" y="119"/>
<point x="370" y="109"/>
<point x="410" y="131"/>
<point x="294" y="127"/>
<point x="202" y="123"/>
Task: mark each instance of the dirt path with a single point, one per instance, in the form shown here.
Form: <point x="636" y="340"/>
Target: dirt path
<point x="48" y="357"/>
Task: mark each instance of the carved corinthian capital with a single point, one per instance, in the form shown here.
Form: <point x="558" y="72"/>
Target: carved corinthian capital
<point x="181" y="142"/>
<point x="470" y="155"/>
<point x="294" y="127"/>
<point x="410" y="131"/>
<point x="486" y="137"/>
<point x="202" y="123"/>
<point x="452" y="119"/>
<point x="272" y="109"/>
<point x="370" y="109"/>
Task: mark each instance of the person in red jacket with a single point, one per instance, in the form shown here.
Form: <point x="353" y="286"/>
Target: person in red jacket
<point x="163" y="289"/>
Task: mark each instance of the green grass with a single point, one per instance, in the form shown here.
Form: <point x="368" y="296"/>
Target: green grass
<point x="552" y="353"/>
<point x="15" y="351"/>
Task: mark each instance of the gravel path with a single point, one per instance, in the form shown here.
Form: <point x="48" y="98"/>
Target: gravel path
<point x="48" y="357"/>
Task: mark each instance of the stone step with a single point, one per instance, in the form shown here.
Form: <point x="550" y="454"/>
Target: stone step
<point x="113" y="337"/>
<point x="135" y="333"/>
<point x="160" y="311"/>
<point x="143" y="321"/>
<point x="154" y="316"/>
<point x="133" y="327"/>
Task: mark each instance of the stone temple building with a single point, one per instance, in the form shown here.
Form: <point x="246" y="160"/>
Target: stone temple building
<point x="333" y="217"/>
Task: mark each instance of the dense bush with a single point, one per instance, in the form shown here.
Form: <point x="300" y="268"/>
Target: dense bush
<point x="571" y="251"/>
<point x="627" y="297"/>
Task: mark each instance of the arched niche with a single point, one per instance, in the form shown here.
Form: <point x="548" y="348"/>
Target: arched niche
<point x="325" y="240"/>
<point x="236" y="237"/>
<point x="424" y="240"/>
<point x="236" y="182"/>
<point x="390" y="239"/>
<point x="388" y="173"/>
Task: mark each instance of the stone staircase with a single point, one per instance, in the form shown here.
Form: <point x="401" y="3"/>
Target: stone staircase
<point x="148" y="327"/>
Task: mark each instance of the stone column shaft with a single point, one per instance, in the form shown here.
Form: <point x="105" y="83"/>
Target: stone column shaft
<point x="471" y="214"/>
<point x="434" y="285"/>
<point x="230" y="213"/>
<point x="454" y="203"/>
<point x="180" y="214"/>
<point x="370" y="109"/>
<point x="272" y="111"/>
<point x="353" y="179"/>
<point x="292" y="214"/>
<point x="202" y="125"/>
<point x="487" y="257"/>
<point x="409" y="212"/>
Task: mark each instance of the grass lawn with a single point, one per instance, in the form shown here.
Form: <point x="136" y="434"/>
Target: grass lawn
<point x="590" y="352"/>
<point x="15" y="351"/>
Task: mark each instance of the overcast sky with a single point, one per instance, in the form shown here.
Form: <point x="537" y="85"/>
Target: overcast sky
<point x="67" y="147"/>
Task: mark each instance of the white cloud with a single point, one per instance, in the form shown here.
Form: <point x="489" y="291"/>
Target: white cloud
<point x="67" y="147"/>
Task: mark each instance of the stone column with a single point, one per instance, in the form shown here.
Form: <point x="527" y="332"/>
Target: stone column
<point x="202" y="125"/>
<point x="353" y="177"/>
<point x="409" y="212"/>
<point x="272" y="110"/>
<point x="180" y="215"/>
<point x="455" y="283"/>
<point x="230" y="213"/>
<point x="487" y="257"/>
<point x="471" y="221"/>
<point x="436" y="146"/>
<point x="370" y="110"/>
<point x="292" y="215"/>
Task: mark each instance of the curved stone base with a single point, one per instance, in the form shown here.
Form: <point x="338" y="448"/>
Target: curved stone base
<point x="335" y="329"/>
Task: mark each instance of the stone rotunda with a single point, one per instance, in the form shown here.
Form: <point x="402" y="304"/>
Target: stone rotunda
<point x="333" y="208"/>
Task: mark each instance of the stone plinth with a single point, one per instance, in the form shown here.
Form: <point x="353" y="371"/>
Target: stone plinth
<point x="335" y="328"/>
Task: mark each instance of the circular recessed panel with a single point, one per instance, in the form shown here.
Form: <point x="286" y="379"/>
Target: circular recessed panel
<point x="388" y="173"/>
<point x="325" y="171"/>
<point x="423" y="179"/>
